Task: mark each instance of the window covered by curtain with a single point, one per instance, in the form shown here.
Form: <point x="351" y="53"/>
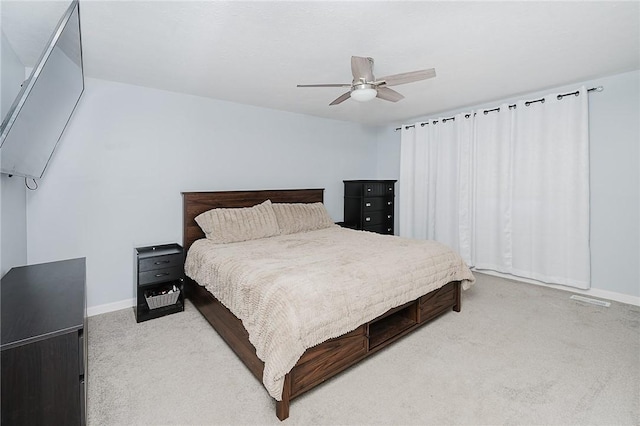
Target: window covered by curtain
<point x="507" y="188"/>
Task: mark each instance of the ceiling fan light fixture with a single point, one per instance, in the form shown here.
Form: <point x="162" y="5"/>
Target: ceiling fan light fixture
<point x="364" y="86"/>
<point x="363" y="92"/>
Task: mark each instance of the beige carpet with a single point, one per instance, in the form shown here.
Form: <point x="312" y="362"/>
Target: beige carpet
<point x="516" y="354"/>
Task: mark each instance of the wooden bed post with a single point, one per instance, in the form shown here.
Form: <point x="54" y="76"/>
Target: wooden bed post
<point x="458" y="304"/>
<point x="282" y="407"/>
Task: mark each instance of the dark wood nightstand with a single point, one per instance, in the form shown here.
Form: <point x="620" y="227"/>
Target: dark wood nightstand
<point x="158" y="274"/>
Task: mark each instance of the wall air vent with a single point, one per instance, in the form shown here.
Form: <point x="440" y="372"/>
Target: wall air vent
<point x="589" y="300"/>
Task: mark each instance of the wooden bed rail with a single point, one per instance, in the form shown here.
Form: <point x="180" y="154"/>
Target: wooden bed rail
<point x="327" y="359"/>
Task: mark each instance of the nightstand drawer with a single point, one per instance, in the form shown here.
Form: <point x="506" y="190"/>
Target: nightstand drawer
<point x="159" y="275"/>
<point x="160" y="262"/>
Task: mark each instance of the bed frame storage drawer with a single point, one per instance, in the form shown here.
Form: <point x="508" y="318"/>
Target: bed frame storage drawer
<point x="327" y="359"/>
<point x="438" y="301"/>
<point x="392" y="325"/>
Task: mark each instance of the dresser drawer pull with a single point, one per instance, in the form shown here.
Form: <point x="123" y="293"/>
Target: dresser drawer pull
<point x="388" y="229"/>
<point x="162" y="274"/>
<point x="388" y="203"/>
<point x="367" y="219"/>
<point x="391" y="188"/>
<point x="367" y="204"/>
<point x="161" y="262"/>
<point x="388" y="216"/>
<point x="81" y="352"/>
<point x="368" y="189"/>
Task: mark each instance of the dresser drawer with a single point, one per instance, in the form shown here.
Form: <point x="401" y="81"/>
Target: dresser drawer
<point x="382" y="228"/>
<point x="373" y="204"/>
<point x="377" y="203"/>
<point x="377" y="189"/>
<point x="160" y="275"/>
<point x="160" y="262"/>
<point x="374" y="218"/>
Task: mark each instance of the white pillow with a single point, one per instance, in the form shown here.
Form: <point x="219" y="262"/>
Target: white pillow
<point x="230" y="225"/>
<point x="301" y="217"/>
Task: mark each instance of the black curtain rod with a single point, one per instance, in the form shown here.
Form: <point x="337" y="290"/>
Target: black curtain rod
<point x="487" y="111"/>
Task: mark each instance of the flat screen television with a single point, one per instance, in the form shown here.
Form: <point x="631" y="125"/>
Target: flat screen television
<point x="37" y="118"/>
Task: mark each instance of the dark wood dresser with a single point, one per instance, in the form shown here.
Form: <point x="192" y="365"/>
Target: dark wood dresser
<point x="369" y="204"/>
<point x="44" y="344"/>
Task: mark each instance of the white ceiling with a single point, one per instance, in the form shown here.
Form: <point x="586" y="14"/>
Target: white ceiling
<point x="256" y="52"/>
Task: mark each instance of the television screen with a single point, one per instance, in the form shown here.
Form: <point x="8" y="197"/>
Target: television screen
<point x="36" y="120"/>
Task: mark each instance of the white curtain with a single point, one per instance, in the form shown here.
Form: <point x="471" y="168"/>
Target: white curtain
<point x="492" y="181"/>
<point x="507" y="188"/>
<point x="434" y="203"/>
<point x="550" y="237"/>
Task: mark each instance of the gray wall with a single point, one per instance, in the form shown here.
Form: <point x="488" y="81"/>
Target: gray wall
<point x="615" y="180"/>
<point x="114" y="182"/>
<point x="615" y="184"/>
<point x="13" y="225"/>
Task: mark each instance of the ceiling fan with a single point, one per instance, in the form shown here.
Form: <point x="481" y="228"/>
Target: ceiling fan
<point x="365" y="87"/>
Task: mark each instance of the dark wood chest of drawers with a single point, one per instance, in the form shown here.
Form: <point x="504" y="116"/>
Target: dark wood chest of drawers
<point x="369" y="205"/>
<point x="158" y="268"/>
<point x="44" y="344"/>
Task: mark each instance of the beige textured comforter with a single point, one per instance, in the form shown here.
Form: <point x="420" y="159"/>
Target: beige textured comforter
<point x="295" y="291"/>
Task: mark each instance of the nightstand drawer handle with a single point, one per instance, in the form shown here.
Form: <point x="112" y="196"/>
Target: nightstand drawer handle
<point x="368" y="189"/>
<point x="367" y="219"/>
<point x="388" y="229"/>
<point x="367" y="204"/>
<point x="162" y="274"/>
<point x="388" y="216"/>
<point x="388" y="203"/>
<point x="161" y="262"/>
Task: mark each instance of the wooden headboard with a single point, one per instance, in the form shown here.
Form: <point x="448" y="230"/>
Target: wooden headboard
<point x="194" y="203"/>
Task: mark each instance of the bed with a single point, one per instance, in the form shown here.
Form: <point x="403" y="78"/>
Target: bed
<point x="355" y="334"/>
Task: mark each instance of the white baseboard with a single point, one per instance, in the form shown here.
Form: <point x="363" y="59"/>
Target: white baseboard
<point x="593" y="292"/>
<point x="110" y="307"/>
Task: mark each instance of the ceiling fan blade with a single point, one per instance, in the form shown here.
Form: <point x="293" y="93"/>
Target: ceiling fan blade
<point x="362" y="68"/>
<point x="341" y="98"/>
<point x="389" y="94"/>
<point x="325" y="85"/>
<point x="408" y="77"/>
